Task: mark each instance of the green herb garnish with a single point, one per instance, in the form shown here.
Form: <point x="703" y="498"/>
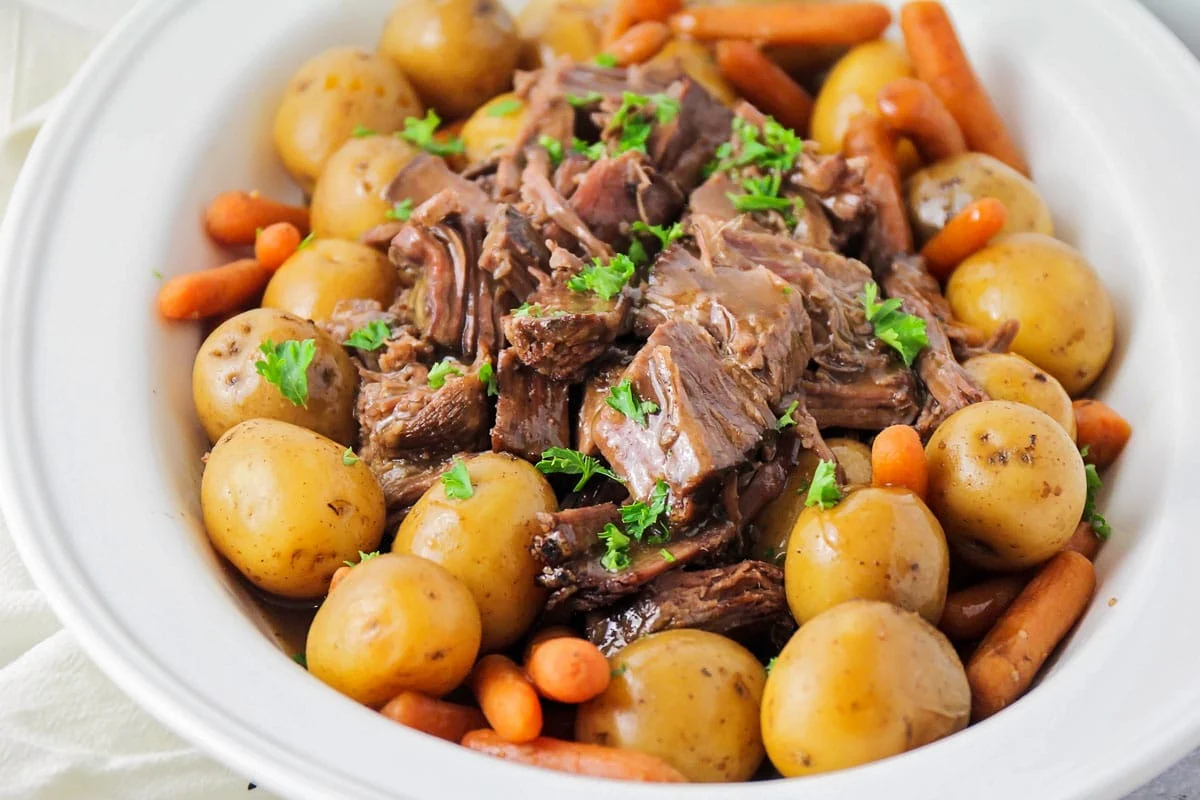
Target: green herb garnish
<point x="362" y="131"/>
<point x="307" y="241"/>
<point x="593" y="152"/>
<point x="641" y="517"/>
<point x="762" y="194"/>
<point x="633" y="123"/>
<point x="421" y="132"/>
<point x="370" y="336"/>
<point x="787" y="420"/>
<point x="487" y="375"/>
<point x="563" y="461"/>
<point x="666" y="555"/>
<point x="771" y="664"/>
<point x="157" y="274"/>
<point x="621" y="670"/>
<point x="505" y="107"/>
<point x="1091" y="516"/>
<point x="623" y="398"/>
<point x="903" y="332"/>
<point x="300" y="659"/>
<point x="440" y="371"/>
<point x="553" y="147"/>
<point x="773" y="147"/>
<point x="578" y="100"/>
<point x="665" y="235"/>
<point x="605" y="279"/>
<point x="823" y="491"/>
<point x="616" y="553"/>
<point x="348" y="457"/>
<point x="286" y="366"/>
<point x="457" y="481"/>
<point x="605" y="60"/>
<point x="362" y="558"/>
<point x="400" y="211"/>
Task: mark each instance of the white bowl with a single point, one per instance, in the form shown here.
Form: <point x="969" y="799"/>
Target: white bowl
<point x="100" y="463"/>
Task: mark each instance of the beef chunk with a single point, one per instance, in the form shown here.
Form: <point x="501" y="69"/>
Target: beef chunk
<point x="350" y="315"/>
<point x="605" y="373"/>
<point x="711" y="198"/>
<point x="616" y="192"/>
<point x="571" y="533"/>
<point x="563" y="331"/>
<point x="514" y="253"/>
<point x="531" y="411"/>
<point x="868" y="401"/>
<point x="550" y="213"/>
<point x="722" y="600"/>
<point x="404" y="480"/>
<point x="681" y="147"/>
<point x="427" y="175"/>
<point x="400" y="414"/>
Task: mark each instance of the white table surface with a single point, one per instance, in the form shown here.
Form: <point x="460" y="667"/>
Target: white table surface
<point x="42" y="43"/>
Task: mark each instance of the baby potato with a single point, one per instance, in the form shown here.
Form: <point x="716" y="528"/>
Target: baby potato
<point x="494" y="126"/>
<point x="854" y="458"/>
<point x="331" y="95"/>
<point x="282" y="506"/>
<point x="1007" y="376"/>
<point x="553" y="28"/>
<point x="1066" y="315"/>
<point x="689" y="697"/>
<point x="876" y="544"/>
<point x="939" y="191"/>
<point x="457" y="53"/>
<point x="484" y="541"/>
<point x="852" y="87"/>
<point x="863" y="681"/>
<point x="227" y="388"/>
<point x="319" y="276"/>
<point x="395" y="623"/>
<point x="1007" y="483"/>
<point x="698" y="63"/>
<point x="350" y="197"/>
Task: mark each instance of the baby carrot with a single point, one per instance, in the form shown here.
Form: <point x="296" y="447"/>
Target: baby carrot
<point x="568" y="669"/>
<point x="507" y="698"/>
<point x="1084" y="541"/>
<point x="235" y="217"/>
<point x="627" y="13"/>
<point x="898" y="459"/>
<point x="210" y="292"/>
<point x="545" y="635"/>
<point x="640" y="43"/>
<point x="969" y="231"/>
<point x="448" y="721"/>
<point x="339" y="575"/>
<point x="786" y="23"/>
<point x="1101" y="430"/>
<point x="911" y="108"/>
<point x="275" y="244"/>
<point x="761" y="81"/>
<point x="868" y="137"/>
<point x="577" y="757"/>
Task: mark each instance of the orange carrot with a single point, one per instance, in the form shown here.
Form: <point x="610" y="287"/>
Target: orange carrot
<point x="209" y="292"/>
<point x="868" y="137"/>
<point x="545" y="635"/>
<point x="1084" y="541"/>
<point x="448" y="721"/>
<point x="761" y="81"/>
<point x="627" y="13"/>
<point x="235" y="217"/>
<point x="898" y="459"/>
<point x="577" y="757"/>
<point x="911" y="108"/>
<point x="786" y="23"/>
<point x="972" y="612"/>
<point x="339" y="575"/>
<point x="1101" y="430"/>
<point x="276" y="243"/>
<point x="568" y="669"/>
<point x="640" y="43"/>
<point x="937" y="57"/>
<point x="507" y="698"/>
<point x="969" y="231"/>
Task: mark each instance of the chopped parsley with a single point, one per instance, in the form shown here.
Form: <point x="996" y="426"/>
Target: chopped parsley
<point x="487" y="376"/>
<point x="440" y="371"/>
<point x="762" y="194"/>
<point x="903" y="332"/>
<point x="605" y="60"/>
<point x="616" y="552"/>
<point x="362" y="558"/>
<point x="664" y="235"/>
<point x="787" y="420"/>
<point x="634" y="122"/>
<point x="623" y="398"/>
<point x="771" y="664"/>
<point x="588" y="99"/>
<point x="505" y="107"/>
<point x="286" y="366"/>
<point x="563" y="461"/>
<point x="157" y="274"/>
<point x="553" y="147"/>
<point x="823" y="491"/>
<point x="306" y="241"/>
<point x="370" y="336"/>
<point x="621" y="670"/>
<point x="1091" y="516"/>
<point x="421" y="133"/>
<point x="362" y="131"/>
<point x="400" y="211"/>
<point x="786" y="290"/>
<point x="348" y="457"/>
<point x="773" y="147"/>
<point x="605" y="279"/>
<point x="666" y="555"/>
<point x="300" y="659"/>
<point x="640" y="518"/>
<point x="526" y="310"/>
<point x="593" y="152"/>
<point x="457" y="481"/>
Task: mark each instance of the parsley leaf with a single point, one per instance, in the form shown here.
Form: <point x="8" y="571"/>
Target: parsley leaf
<point x="563" y="461"/>
<point x="400" y="211"/>
<point x="787" y="420"/>
<point x="157" y="274"/>
<point x="623" y="398"/>
<point x="621" y="670"/>
<point x="362" y="558"/>
<point x="527" y="310"/>
<point x="773" y="147"/>
<point x="604" y="279"/>
<point x="370" y="336"/>
<point x="286" y="366"/>
<point x="666" y="108"/>
<point x="903" y="332"/>
<point x="616" y="553"/>
<point x="605" y="60"/>
<point x="588" y="99"/>
<point x="457" y="481"/>
<point x="762" y="194"/>
<point x="440" y="371"/>
<point x="667" y="556"/>
<point x="1091" y="516"/>
<point x="641" y="517"/>
<point x="664" y="235"/>
<point x="505" y="107"/>
<point x="420" y="132"/>
<point x="637" y="252"/>
<point x="771" y="664"/>
<point x="823" y="490"/>
<point x="487" y="376"/>
<point x="362" y="131"/>
<point x="553" y="147"/>
<point x="593" y="152"/>
<point x="300" y="659"/>
<point x="348" y="457"/>
<point x="307" y="241"/>
<point x="634" y="124"/>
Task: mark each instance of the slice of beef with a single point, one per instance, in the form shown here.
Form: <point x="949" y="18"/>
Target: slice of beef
<point x="563" y="331"/>
<point x="514" y="252"/>
<point x="723" y="600"/>
<point x="711" y="418"/>
<point x="402" y="416"/>
<point x="571" y="533"/>
<point x="350" y="315"/>
<point x="605" y="373"/>
<point x="427" y="175"/>
<point x="616" y="192"/>
<point x="550" y="213"/>
<point x="711" y="198"/>
<point x="404" y="480"/>
<point x="681" y="147"/>
<point x="868" y="401"/>
<point x="532" y="411"/>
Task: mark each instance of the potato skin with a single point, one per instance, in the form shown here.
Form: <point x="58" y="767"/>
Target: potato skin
<point x="487" y="133"/>
<point x="939" y="191"/>
<point x="227" y="389"/>
<point x="484" y="541"/>
<point x="394" y="623"/>
<point x="328" y="97"/>
<point x="1065" y="313"/>
<point x="317" y="277"/>
<point x="457" y="53"/>
<point x="689" y="697"/>
<point x="1007" y="376"/>
<point x="697" y="61"/>
<point x="852" y="87"/>
<point x="350" y="197"/>
<point x="551" y="28"/>
<point x="863" y="681"/>
<point x="876" y="544"/>
<point x="1007" y="483"/>
<point x="283" y="508"/>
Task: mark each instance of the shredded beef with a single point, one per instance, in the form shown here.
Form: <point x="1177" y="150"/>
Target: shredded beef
<point x="571" y="533"/>
<point x="616" y="192"/>
<point x="531" y="410"/>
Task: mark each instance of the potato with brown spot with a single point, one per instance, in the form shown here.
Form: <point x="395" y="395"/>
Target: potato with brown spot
<point x="1008" y="376"/>
<point x="350" y="197"/>
<point x="325" y="272"/>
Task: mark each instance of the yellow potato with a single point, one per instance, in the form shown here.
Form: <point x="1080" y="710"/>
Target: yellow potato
<point x="457" y="53"/>
<point x="227" y="388"/>
<point x="283" y="507"/>
<point x="1065" y="313"/>
<point x="697" y="61"/>
<point x="1007" y="376"/>
<point x="395" y="623"/>
<point x="553" y="28"/>
<point x="1007" y="483"/>
<point x="876" y="544"/>
<point x="331" y="95"/>
<point x="317" y="277"/>
<point x="854" y="458"/>
<point x="852" y="87"/>
<point x="484" y="541"/>
<point x="689" y="697"/>
<point x="350" y="197"/>
<point x="494" y="126"/>
<point x="863" y="681"/>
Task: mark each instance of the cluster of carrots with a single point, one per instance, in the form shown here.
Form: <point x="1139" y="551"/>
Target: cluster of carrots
<point x="1018" y="620"/>
<point x="237" y="220"/>
<point x="559" y="667"/>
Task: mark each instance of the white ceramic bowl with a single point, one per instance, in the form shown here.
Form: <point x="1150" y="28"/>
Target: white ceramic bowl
<point x="100" y="463"/>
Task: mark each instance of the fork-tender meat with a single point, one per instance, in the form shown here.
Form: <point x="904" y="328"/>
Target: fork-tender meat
<point x="427" y="175"/>
<point x="404" y="480"/>
<point x="681" y="147"/>
<point x="532" y="411"/>
<point x="616" y="192"/>
<point x="514" y="252"/>
<point x="571" y="532"/>
<point x="563" y="331"/>
<point x="350" y="315"/>
<point x="606" y="372"/>
<point x="550" y="213"/>
<point x="401" y="414"/>
<point x="722" y="600"/>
